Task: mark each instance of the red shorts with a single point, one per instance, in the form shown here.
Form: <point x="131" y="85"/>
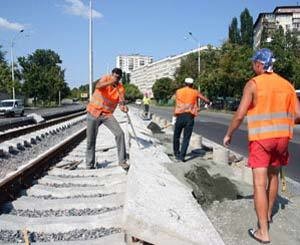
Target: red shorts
<point x="268" y="152"/>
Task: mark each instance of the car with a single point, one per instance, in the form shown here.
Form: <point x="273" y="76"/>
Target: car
<point x="11" y="107"/>
<point x="138" y="102"/>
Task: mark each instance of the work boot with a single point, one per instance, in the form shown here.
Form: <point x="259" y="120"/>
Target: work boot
<point x="124" y="165"/>
<point x="89" y="167"/>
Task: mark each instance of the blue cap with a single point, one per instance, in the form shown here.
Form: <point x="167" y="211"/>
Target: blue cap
<point x="266" y="57"/>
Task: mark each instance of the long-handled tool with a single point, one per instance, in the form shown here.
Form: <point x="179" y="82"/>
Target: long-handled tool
<point x="136" y="138"/>
<point x="283" y="180"/>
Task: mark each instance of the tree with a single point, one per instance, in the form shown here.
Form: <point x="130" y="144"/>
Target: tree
<point x="125" y="78"/>
<point x="246" y="28"/>
<point x="6" y="83"/>
<point x="188" y="68"/>
<point x="43" y="75"/>
<point x="226" y="70"/>
<point x="163" y="88"/>
<point x="286" y="48"/>
<point x="132" y="92"/>
<point x="2" y="55"/>
<point x="234" y="32"/>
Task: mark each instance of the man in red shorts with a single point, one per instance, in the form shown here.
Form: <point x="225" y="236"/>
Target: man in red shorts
<point x="271" y="106"/>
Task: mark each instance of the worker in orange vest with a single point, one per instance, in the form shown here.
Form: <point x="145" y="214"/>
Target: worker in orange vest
<point x="271" y="106"/>
<point x="186" y="109"/>
<point x="109" y="92"/>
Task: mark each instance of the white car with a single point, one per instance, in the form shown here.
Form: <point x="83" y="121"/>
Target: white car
<point x="11" y="108"/>
<point x="138" y="102"/>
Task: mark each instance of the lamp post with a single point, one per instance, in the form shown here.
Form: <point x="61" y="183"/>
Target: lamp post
<point x="12" y="63"/>
<point x="198" y="45"/>
<point x="90" y="52"/>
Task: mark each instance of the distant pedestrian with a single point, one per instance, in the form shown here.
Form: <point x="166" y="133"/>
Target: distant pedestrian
<point x="109" y="92"/>
<point x="186" y="108"/>
<point x="271" y="106"/>
<point x="146" y="103"/>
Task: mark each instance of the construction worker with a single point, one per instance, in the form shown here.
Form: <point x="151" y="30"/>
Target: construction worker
<point x="271" y="105"/>
<point x="186" y="108"/>
<point x="109" y="92"/>
<point x="146" y="103"/>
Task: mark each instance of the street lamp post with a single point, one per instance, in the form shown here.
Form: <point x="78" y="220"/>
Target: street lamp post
<point x="12" y="63"/>
<point x="198" y="45"/>
<point x="90" y="52"/>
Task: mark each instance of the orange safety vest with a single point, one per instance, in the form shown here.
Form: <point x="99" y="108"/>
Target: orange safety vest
<point x="186" y="101"/>
<point x="105" y="100"/>
<point x="274" y="112"/>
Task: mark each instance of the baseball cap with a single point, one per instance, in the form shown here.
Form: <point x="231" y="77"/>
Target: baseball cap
<point x="189" y="80"/>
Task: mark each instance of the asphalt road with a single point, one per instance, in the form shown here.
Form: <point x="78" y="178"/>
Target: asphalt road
<point x="213" y="126"/>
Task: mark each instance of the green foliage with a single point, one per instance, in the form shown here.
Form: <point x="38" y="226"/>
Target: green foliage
<point x="188" y="68"/>
<point x="246" y="28"/>
<point x="2" y="55"/>
<point x="163" y="88"/>
<point x="43" y="75"/>
<point x="234" y="32"/>
<point x="244" y="35"/>
<point x="226" y="70"/>
<point x="125" y="78"/>
<point x="286" y="48"/>
<point x="132" y="92"/>
<point x="6" y="83"/>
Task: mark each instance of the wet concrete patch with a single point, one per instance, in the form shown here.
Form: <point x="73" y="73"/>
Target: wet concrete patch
<point x="207" y="189"/>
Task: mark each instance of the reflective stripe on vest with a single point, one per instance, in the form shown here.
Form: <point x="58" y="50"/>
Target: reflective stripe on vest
<point x="271" y="116"/>
<point x="275" y="128"/>
<point x="101" y="101"/>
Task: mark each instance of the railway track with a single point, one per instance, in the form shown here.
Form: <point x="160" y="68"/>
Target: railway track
<point x="53" y="198"/>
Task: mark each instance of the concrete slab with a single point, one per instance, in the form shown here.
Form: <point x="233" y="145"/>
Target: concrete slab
<point x="173" y="218"/>
<point x="166" y="213"/>
<point x="42" y="190"/>
<point x="61" y="224"/>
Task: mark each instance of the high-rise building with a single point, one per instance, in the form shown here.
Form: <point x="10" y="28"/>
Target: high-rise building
<point x="130" y="62"/>
<point x="145" y="76"/>
<point x="286" y="16"/>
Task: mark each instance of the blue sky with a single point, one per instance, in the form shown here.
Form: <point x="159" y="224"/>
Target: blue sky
<point x="155" y="27"/>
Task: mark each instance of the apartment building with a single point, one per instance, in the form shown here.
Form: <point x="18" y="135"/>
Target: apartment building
<point x="130" y="62"/>
<point x="286" y="16"/>
<point x="145" y="76"/>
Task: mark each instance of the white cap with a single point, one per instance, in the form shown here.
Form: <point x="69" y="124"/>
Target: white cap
<point x="189" y="80"/>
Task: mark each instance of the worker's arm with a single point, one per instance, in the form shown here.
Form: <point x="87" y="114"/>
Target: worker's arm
<point x="103" y="82"/>
<point x="241" y="112"/>
<point x="297" y="115"/>
<point x="202" y="97"/>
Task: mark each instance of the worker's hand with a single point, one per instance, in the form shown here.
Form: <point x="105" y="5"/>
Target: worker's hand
<point x="124" y="108"/>
<point x="226" y="140"/>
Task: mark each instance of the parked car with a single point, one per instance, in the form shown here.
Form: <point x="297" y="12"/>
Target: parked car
<point x="138" y="102"/>
<point x="11" y="107"/>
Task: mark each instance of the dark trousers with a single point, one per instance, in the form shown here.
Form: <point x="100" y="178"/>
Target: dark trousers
<point x="146" y="108"/>
<point x="184" y="122"/>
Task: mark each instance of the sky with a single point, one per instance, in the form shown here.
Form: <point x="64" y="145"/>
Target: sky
<point x="155" y="27"/>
